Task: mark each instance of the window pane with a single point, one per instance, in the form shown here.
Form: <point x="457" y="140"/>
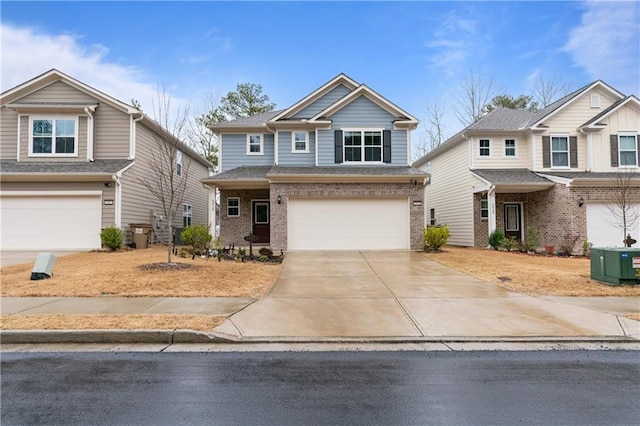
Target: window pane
<point x="42" y="145"/>
<point x="65" y="128"/>
<point x="42" y="128"/>
<point x="65" y="145"/>
<point x="628" y="143"/>
<point x="233" y="202"/>
<point x="352" y="154"/>
<point x="373" y="138"/>
<point x="353" y="138"/>
<point x="559" y="144"/>
<point x="628" y="158"/>
<point x="560" y="159"/>
<point x="372" y="153"/>
<point x="512" y="218"/>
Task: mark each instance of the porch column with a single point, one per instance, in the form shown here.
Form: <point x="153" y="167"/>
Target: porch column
<point x="491" y="201"/>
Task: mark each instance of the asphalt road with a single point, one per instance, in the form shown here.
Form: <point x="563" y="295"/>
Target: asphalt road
<point x="372" y="388"/>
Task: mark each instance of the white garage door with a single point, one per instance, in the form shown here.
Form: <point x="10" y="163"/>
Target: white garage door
<point x="347" y="224"/>
<point x="603" y="226"/>
<point x="50" y="222"/>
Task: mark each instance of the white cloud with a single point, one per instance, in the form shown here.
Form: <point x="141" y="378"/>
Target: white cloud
<point x="607" y="42"/>
<point x="27" y="53"/>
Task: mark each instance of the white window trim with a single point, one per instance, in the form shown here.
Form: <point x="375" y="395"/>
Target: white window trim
<point x="485" y="208"/>
<point x="635" y="137"/>
<point x="559" y="135"/>
<point x="362" y="130"/>
<point x="188" y="212"/>
<point x="179" y="163"/>
<point x="53" y="117"/>
<point x="480" y="148"/>
<point x="515" y="148"/>
<point x="261" y="136"/>
<point x="235" y="207"/>
<point x="293" y="143"/>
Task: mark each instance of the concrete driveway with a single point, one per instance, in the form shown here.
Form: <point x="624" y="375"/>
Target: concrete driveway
<point x="402" y="294"/>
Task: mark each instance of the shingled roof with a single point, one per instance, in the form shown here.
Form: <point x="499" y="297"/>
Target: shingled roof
<point x="107" y="167"/>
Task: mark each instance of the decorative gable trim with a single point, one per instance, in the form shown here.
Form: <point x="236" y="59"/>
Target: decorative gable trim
<point x="596" y="122"/>
<point x="315" y="95"/>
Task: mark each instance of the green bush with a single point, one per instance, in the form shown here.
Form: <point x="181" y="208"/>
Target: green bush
<point x="496" y="238"/>
<point x="112" y="238"/>
<point x="532" y="238"/>
<point x="198" y="237"/>
<point x="510" y="243"/>
<point x="586" y="247"/>
<point x="436" y="237"/>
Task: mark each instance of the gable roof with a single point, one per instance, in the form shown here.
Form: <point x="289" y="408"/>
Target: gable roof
<point x="257" y="120"/>
<point x="595" y="121"/>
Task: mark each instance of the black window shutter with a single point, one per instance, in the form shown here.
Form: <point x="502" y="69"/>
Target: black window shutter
<point x="337" y="140"/>
<point x="386" y="146"/>
<point x="573" y="151"/>
<point x="546" y="151"/>
<point x="613" y="141"/>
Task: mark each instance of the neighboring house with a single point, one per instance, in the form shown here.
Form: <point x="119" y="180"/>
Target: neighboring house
<point x="330" y="172"/>
<point x="70" y="159"/>
<point x="553" y="169"/>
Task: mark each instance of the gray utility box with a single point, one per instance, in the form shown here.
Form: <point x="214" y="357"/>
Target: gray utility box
<point x="43" y="267"/>
<point x="618" y="265"/>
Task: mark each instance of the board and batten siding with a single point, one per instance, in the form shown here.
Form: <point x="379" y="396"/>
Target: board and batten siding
<point x="286" y="156"/>
<point x="497" y="158"/>
<point x="8" y="134"/>
<point x="626" y="119"/>
<point x="138" y="204"/>
<point x="111" y="135"/>
<point x="234" y="151"/>
<point x="108" y="193"/>
<point x="330" y="98"/>
<point x="362" y="113"/>
<point x="450" y="194"/>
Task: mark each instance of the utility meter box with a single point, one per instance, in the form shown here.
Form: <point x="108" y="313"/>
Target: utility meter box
<point x="43" y="266"/>
<point x="616" y="265"/>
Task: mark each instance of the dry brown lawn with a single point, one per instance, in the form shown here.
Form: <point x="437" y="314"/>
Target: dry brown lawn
<point x="121" y="322"/>
<point x="531" y="274"/>
<point x="105" y="274"/>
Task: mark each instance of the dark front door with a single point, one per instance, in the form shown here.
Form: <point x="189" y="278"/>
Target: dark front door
<point x="261" y="219"/>
<point x="512" y="221"/>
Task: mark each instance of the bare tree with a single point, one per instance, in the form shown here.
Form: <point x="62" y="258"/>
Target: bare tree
<point x="168" y="172"/>
<point x="546" y="90"/>
<point x="200" y="136"/>
<point x="474" y="93"/>
<point x="624" y="208"/>
<point x="434" y="130"/>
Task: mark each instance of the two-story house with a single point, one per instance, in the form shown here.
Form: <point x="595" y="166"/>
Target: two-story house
<point x="553" y="169"/>
<point x="331" y="172"/>
<point x="71" y="163"/>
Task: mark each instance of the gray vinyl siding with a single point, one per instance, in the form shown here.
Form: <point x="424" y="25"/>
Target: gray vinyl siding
<point x="108" y="193"/>
<point x="362" y="113"/>
<point x="139" y="205"/>
<point x="322" y="103"/>
<point x="58" y="92"/>
<point x="8" y="134"/>
<point x="111" y="137"/>
<point x="25" y="121"/>
<point x="287" y="157"/>
<point x="234" y="152"/>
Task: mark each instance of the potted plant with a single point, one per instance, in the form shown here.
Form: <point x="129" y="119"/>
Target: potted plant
<point x="549" y="248"/>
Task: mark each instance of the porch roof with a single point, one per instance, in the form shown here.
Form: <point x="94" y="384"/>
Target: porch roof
<point x="58" y="170"/>
<point x="511" y="180"/>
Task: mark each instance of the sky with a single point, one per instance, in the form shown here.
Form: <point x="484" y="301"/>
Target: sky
<point x="412" y="53"/>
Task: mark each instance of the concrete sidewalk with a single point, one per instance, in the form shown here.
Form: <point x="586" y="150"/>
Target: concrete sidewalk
<point x="369" y="296"/>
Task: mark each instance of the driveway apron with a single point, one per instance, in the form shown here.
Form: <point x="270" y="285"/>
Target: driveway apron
<point x="403" y="294"/>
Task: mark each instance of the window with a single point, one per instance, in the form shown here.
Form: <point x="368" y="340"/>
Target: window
<point x="509" y="147"/>
<point x="363" y="146"/>
<point x="559" y="151"/>
<point x="300" y="142"/>
<point x="485" y="147"/>
<point x="484" y="209"/>
<point x="186" y="215"/>
<point x="233" y="206"/>
<point x="254" y="145"/>
<point x="51" y="136"/>
<point x="179" y="163"/>
<point x="432" y="217"/>
<point x="627" y="147"/>
<point x="595" y="101"/>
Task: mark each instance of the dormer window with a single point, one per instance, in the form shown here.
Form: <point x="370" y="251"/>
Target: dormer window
<point x="53" y="137"/>
<point x="255" y="145"/>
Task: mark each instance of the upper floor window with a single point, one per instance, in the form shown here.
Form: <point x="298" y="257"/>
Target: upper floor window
<point x="628" y="150"/>
<point x="186" y="215"/>
<point x="559" y="151"/>
<point x="300" y="143"/>
<point x="179" y="163"/>
<point x="363" y="146"/>
<point x="485" y="147"/>
<point x="509" y="147"/>
<point x="53" y="136"/>
<point x="255" y="145"/>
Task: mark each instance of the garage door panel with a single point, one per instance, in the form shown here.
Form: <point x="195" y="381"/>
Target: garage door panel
<point x="603" y="229"/>
<point x="50" y="223"/>
<point x="346" y="224"/>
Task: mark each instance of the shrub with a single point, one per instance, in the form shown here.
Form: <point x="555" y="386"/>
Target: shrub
<point x="242" y="252"/>
<point x="183" y="252"/>
<point x="112" y="238"/>
<point x="436" y="237"/>
<point x="510" y="243"/>
<point x="263" y="258"/>
<point x="496" y="238"/>
<point x="266" y="252"/>
<point x="532" y="238"/>
<point x="198" y="237"/>
<point x="586" y="247"/>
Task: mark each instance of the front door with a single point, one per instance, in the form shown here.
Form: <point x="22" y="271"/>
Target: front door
<point x="512" y="221"/>
<point x="261" y="221"/>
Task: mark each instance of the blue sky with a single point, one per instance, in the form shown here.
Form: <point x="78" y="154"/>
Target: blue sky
<point x="410" y="52"/>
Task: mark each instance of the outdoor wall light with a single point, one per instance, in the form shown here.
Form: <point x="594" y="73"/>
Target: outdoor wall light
<point x="580" y="202"/>
<point x="279" y="199"/>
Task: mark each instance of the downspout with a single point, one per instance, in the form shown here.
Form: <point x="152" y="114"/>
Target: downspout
<point x="90" y="122"/>
<point x="132" y="132"/>
<point x="118" y="196"/>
